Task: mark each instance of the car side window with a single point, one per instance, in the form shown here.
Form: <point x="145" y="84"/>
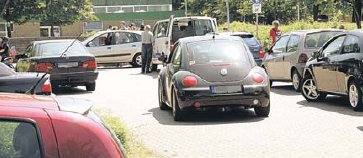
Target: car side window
<point x="161" y="30"/>
<point x="30" y="50"/>
<point x="293" y="43"/>
<point x="137" y="37"/>
<point x="334" y="47"/>
<point x="176" y="60"/>
<point x="351" y="45"/>
<point x="102" y="40"/>
<point x="280" y="45"/>
<point x="19" y="139"/>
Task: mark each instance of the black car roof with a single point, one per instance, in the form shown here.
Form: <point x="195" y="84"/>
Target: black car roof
<point x="208" y="37"/>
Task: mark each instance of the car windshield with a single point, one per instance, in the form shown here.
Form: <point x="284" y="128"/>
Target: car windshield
<point x="217" y="51"/>
<point x="57" y="48"/>
<point x="6" y="70"/>
<point x="318" y="39"/>
<point x="198" y="27"/>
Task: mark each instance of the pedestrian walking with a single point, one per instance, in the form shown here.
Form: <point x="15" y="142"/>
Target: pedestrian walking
<point x="275" y="32"/>
<point x="147" y="49"/>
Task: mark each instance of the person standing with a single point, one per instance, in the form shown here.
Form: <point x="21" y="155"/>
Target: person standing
<point x="5" y="49"/>
<point x="147" y="39"/>
<point x="123" y="26"/>
<point x="275" y="32"/>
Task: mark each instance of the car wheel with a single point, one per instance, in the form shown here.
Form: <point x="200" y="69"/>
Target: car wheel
<point x="91" y="86"/>
<point x="262" y="111"/>
<point x="177" y="112"/>
<point x="162" y="105"/>
<point x="309" y="90"/>
<point x="296" y="81"/>
<point x="355" y="96"/>
<point x="154" y="67"/>
<point x="137" y="60"/>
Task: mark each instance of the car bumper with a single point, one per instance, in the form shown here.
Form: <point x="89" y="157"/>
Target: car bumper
<point x="76" y="78"/>
<point x="253" y="96"/>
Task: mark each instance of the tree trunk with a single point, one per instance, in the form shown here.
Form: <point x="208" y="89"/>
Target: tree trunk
<point x="51" y="31"/>
<point x="357" y="9"/>
<point x="315" y="12"/>
<point x="8" y="28"/>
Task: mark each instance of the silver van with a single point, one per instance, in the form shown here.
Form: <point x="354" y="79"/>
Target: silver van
<point x="167" y="32"/>
<point x="286" y="59"/>
<point x="116" y="46"/>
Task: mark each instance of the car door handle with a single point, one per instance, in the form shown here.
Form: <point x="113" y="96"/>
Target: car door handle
<point x="108" y="47"/>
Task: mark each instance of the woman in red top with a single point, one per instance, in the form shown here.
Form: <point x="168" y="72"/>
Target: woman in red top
<point x="275" y="32"/>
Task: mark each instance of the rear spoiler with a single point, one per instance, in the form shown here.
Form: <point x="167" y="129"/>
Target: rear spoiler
<point x="75" y="105"/>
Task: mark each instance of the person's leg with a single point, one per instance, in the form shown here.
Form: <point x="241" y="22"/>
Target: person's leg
<point x="149" y="57"/>
<point x="143" y="56"/>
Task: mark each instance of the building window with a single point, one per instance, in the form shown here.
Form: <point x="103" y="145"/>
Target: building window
<point x="45" y="31"/>
<point x="92" y="26"/>
<point x="132" y="8"/>
<point x="3" y="27"/>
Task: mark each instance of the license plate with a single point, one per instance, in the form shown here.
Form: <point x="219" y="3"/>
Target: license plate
<point x="68" y="65"/>
<point x="226" y="89"/>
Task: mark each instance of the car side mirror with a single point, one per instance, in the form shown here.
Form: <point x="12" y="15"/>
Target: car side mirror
<point x="315" y="55"/>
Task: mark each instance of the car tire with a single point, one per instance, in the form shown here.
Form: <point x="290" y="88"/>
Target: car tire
<point x="296" y="80"/>
<point x="154" y="67"/>
<point x="177" y="112"/>
<point x="91" y="87"/>
<point x="137" y="60"/>
<point x="309" y="90"/>
<point x="355" y="96"/>
<point x="162" y="105"/>
<point x="262" y="111"/>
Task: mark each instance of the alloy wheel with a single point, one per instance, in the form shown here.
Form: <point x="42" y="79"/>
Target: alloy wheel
<point x="296" y="81"/>
<point x="353" y="95"/>
<point x="138" y="60"/>
<point x="310" y="90"/>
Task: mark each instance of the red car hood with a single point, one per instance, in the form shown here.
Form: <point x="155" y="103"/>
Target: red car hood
<point x="29" y="101"/>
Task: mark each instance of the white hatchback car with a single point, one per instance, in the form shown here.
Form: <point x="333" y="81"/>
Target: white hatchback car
<point x="116" y="46"/>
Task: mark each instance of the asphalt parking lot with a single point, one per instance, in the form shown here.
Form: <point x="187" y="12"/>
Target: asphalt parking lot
<point x="295" y="128"/>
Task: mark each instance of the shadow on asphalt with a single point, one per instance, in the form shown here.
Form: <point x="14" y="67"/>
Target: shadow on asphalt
<point x="287" y="90"/>
<point x="154" y="75"/>
<point x="69" y="91"/>
<point x="102" y="68"/>
<point x="333" y="104"/>
<point x="206" y="118"/>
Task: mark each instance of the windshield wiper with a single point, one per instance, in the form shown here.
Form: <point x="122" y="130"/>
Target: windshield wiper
<point x="65" y="51"/>
<point x="32" y="90"/>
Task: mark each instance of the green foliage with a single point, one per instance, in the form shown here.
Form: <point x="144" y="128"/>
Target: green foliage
<point x="66" y="12"/>
<point x="19" y="11"/>
<point x="6" y="139"/>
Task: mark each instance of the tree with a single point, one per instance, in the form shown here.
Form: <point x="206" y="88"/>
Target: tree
<point x="65" y="12"/>
<point x="19" y="11"/>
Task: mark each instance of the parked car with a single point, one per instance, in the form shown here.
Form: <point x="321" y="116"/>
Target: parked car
<point x="68" y="62"/>
<point x="258" y="51"/>
<point x="116" y="46"/>
<point x="212" y="71"/>
<point x="13" y="82"/>
<point x="287" y="57"/>
<point x="42" y="126"/>
<point x="336" y="69"/>
<point x="167" y="32"/>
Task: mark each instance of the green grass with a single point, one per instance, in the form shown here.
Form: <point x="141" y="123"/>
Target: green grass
<point x="134" y="147"/>
<point x="264" y="30"/>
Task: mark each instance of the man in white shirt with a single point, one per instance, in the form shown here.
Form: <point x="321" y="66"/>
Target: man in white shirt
<point x="147" y="39"/>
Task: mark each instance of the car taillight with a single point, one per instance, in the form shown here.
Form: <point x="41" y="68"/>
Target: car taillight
<point x="258" y="78"/>
<point x="171" y="45"/>
<point x="262" y="52"/>
<point x="44" y="67"/>
<point x="90" y="64"/>
<point x="189" y="81"/>
<point x="303" y="58"/>
<point x="47" y="87"/>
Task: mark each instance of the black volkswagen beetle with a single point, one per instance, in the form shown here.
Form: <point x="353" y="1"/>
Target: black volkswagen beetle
<point x="212" y="71"/>
<point x="336" y="69"/>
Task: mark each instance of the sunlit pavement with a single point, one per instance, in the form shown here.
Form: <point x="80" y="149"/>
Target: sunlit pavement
<point x="295" y="127"/>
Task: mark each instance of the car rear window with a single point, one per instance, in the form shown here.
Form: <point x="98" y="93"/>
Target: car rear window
<point x="18" y="140"/>
<point x="57" y="48"/>
<point x="6" y="70"/>
<point x="251" y="41"/>
<point x="318" y="39"/>
<point x="190" y="28"/>
<point x="217" y="51"/>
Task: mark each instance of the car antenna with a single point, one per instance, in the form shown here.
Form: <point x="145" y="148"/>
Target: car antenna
<point x="65" y="51"/>
<point x="32" y="89"/>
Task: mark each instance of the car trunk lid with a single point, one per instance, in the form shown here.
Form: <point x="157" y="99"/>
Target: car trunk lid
<point x="221" y="72"/>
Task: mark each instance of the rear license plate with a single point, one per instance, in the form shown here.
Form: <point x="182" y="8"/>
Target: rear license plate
<point x="68" y="65"/>
<point x="226" y="89"/>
